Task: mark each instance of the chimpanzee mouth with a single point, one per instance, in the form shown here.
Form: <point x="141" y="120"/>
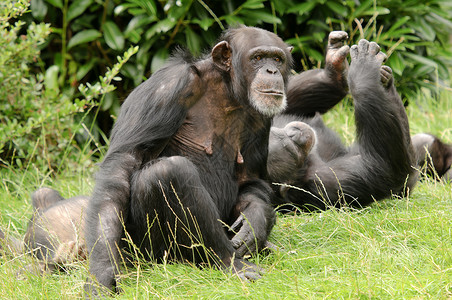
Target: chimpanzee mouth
<point x="270" y="92"/>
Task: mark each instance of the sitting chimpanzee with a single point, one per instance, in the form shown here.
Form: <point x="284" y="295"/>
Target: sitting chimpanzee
<point x="320" y="172"/>
<point x="187" y="156"/>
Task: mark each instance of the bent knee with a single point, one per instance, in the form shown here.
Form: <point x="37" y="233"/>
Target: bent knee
<point x="168" y="168"/>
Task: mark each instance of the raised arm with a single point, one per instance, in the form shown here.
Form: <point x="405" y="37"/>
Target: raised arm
<point x="319" y="90"/>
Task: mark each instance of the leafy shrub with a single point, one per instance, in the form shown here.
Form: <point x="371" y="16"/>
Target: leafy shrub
<point x="87" y="35"/>
<point x="37" y="123"/>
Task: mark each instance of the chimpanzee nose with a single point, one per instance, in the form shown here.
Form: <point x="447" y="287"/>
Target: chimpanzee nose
<point x="272" y="70"/>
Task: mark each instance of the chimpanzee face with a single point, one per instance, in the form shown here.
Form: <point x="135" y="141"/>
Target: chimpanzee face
<point x="267" y="93"/>
<point x="258" y="63"/>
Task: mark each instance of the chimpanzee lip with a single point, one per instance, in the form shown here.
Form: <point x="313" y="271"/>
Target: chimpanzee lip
<point x="270" y="92"/>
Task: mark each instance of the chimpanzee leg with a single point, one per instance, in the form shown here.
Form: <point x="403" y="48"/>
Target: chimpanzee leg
<point x="172" y="212"/>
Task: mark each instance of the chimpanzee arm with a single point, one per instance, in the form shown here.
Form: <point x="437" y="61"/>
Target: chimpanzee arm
<point x="253" y="214"/>
<point x="149" y="117"/>
<point x="255" y="219"/>
<point x="319" y="90"/>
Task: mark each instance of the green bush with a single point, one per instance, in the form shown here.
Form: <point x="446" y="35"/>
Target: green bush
<point x="87" y="35"/>
<point x="38" y="123"/>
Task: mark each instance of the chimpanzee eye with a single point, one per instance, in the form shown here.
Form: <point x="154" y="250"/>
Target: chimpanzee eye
<point x="258" y="57"/>
<point x="277" y="59"/>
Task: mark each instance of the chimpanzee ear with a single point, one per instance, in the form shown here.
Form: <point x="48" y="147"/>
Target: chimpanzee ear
<point x="221" y="56"/>
<point x="290" y="48"/>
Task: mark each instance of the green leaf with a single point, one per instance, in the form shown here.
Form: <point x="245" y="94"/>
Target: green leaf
<point x="303" y="8"/>
<point x="378" y="10"/>
<point x="398" y="23"/>
<point x="193" y="41"/>
<point x="38" y="9"/>
<point x="338" y="8"/>
<point x="423" y="29"/>
<point x="158" y="60"/>
<point x="148" y="5"/>
<point x="396" y="63"/>
<point x="113" y="36"/>
<point x="421" y="59"/>
<point x="51" y="80"/>
<point x="361" y="8"/>
<point x="253" y="4"/>
<point x="83" y="37"/>
<point x="260" y="16"/>
<point x="232" y="20"/>
<point x="205" y="23"/>
<point x="56" y="3"/>
<point x="77" y="8"/>
<point x="161" y="27"/>
<point x="314" y="54"/>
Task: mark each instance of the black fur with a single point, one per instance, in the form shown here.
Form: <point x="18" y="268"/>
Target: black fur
<point x="183" y="156"/>
<point x="379" y="164"/>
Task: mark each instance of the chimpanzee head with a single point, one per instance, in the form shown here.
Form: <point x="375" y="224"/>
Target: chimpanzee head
<point x="439" y="156"/>
<point x="257" y="63"/>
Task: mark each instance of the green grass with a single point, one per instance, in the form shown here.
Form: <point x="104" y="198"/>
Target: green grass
<point x="394" y="249"/>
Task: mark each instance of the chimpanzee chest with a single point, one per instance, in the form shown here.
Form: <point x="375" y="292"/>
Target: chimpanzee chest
<point x="215" y="149"/>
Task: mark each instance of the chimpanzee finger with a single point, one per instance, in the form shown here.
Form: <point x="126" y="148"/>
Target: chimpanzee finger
<point x="237" y="224"/>
<point x="354" y="52"/>
<point x="246" y="248"/>
<point x="242" y="237"/>
<point x="363" y="46"/>
<point x="386" y="75"/>
<point x="374" y="48"/>
<point x="343" y="52"/>
<point x="249" y="275"/>
<point x="381" y="57"/>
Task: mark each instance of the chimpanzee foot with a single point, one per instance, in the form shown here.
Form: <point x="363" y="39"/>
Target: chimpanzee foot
<point x="367" y="52"/>
<point x="366" y="65"/>
<point x="336" y="56"/>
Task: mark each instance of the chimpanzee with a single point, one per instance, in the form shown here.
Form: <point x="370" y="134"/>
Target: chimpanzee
<point x="187" y="156"/>
<point x="55" y="233"/>
<point x="188" y="151"/>
<point x="320" y="172"/>
<point x="434" y="155"/>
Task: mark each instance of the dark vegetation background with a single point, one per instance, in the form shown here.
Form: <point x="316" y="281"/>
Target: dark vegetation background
<point x="48" y="120"/>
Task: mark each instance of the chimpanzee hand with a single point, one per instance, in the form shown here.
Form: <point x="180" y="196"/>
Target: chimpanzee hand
<point x="253" y="225"/>
<point x="336" y="63"/>
<point x="386" y="76"/>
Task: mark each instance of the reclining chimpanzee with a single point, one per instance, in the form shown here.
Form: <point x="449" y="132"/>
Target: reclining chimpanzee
<point x="320" y="172"/>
